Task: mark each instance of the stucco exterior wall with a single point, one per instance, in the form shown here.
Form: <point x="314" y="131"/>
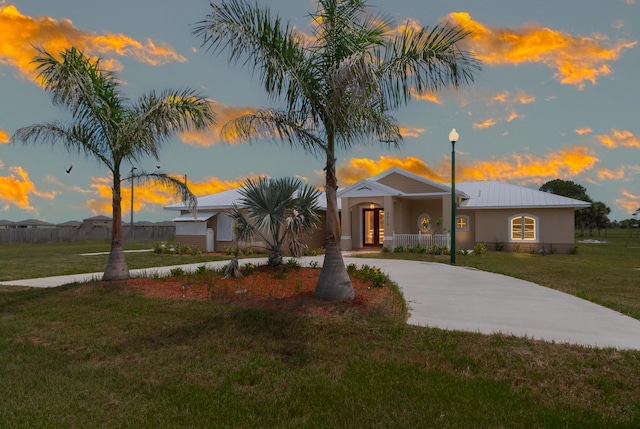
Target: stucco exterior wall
<point x="554" y="227"/>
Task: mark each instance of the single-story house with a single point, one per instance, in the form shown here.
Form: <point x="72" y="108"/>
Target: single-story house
<point x="99" y="221"/>
<point x="211" y="229"/>
<point x="34" y="224"/>
<point x="399" y="208"/>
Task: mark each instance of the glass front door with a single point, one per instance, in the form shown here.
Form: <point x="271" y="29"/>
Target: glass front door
<point x="373" y="227"/>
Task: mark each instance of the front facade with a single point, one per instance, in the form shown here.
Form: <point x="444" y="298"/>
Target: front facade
<point x="399" y="208"/>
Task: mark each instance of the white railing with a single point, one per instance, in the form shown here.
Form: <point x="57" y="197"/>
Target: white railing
<point x="421" y="240"/>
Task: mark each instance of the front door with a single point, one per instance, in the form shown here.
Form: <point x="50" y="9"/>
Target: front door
<point x="373" y="227"/>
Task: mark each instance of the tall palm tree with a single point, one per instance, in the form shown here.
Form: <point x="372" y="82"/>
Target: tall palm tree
<point x="337" y="87"/>
<point x="279" y="212"/>
<point x="106" y="126"/>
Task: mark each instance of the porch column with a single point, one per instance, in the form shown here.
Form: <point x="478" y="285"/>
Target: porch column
<point x="389" y="222"/>
<point x="346" y="243"/>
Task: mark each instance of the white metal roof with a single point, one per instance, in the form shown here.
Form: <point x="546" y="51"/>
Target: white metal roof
<point x="224" y="200"/>
<point x="189" y="217"/>
<point x="494" y="194"/>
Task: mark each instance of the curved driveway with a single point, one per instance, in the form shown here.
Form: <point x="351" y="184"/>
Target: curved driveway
<point x="461" y="298"/>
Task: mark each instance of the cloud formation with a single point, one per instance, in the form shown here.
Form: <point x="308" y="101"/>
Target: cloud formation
<point x="150" y="194"/>
<point x="487" y="123"/>
<point x="576" y="60"/>
<point x="16" y="190"/>
<point x="20" y="33"/>
<point x="565" y="163"/>
<point x="213" y="135"/>
<point x="4" y="137"/>
<point x="619" y="138"/>
<point x="629" y="202"/>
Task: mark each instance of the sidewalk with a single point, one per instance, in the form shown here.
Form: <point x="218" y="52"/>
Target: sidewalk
<point x="460" y="298"/>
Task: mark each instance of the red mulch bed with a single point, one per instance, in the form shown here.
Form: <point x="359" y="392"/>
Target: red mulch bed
<point x="272" y="289"/>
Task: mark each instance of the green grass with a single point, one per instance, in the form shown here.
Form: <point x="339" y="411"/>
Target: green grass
<point x="24" y="261"/>
<point x="97" y="356"/>
<point x="606" y="273"/>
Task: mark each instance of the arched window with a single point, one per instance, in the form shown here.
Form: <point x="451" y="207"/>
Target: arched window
<point x="523" y="228"/>
<point x="462" y="223"/>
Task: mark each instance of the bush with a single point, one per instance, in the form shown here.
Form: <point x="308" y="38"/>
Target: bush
<point x="479" y="249"/>
<point x="498" y="246"/>
<point x="177" y="272"/>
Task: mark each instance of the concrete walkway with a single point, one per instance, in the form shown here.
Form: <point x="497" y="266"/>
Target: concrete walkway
<point x="460" y="298"/>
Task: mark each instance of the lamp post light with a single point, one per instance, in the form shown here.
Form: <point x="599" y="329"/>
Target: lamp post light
<point x="132" y="170"/>
<point x="453" y="138"/>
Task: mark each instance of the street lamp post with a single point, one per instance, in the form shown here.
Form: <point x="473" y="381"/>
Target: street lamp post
<point x="132" y="170"/>
<point x="453" y="138"/>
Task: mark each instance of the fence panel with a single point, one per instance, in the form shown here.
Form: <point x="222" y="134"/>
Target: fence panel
<point x="421" y="240"/>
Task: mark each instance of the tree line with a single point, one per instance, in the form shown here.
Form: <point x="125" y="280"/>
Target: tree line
<point x="594" y="217"/>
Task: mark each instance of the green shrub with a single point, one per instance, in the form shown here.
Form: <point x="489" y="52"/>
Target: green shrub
<point x="479" y="249"/>
<point x="177" y="272"/>
<point x="498" y="246"/>
<point x="398" y="249"/>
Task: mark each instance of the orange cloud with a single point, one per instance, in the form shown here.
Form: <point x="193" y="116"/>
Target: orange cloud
<point x="427" y="96"/>
<point x="147" y="194"/>
<point x="606" y="174"/>
<point x="362" y="168"/>
<point x="629" y="202"/>
<point x="16" y="188"/>
<point x="576" y="60"/>
<point x="619" y="138"/>
<point x="583" y="131"/>
<point x="213" y="135"/>
<point x="487" y="123"/>
<point x="20" y="33"/>
<point x="4" y="137"/>
<point x="564" y="163"/>
<point x="512" y="116"/>
<point x="411" y="131"/>
<point x="524" y="98"/>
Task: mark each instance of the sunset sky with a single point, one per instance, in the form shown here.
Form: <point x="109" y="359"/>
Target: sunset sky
<point x="558" y="97"/>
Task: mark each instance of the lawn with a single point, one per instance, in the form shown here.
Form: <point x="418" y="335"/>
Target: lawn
<point x="100" y="355"/>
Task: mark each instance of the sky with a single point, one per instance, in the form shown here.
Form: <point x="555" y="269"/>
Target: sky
<point x="558" y="97"/>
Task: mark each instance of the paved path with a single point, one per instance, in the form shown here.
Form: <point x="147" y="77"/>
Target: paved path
<point x="461" y="298"/>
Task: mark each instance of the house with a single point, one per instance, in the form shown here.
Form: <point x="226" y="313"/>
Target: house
<point x="397" y="208"/>
<point x="97" y="221"/>
<point x="211" y="229"/>
<point x="34" y="224"/>
<point x="7" y="224"/>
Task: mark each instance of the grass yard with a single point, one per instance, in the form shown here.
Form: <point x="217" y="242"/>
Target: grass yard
<point x="101" y="355"/>
<point x="25" y="261"/>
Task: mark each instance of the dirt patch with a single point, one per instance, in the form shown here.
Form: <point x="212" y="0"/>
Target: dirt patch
<point x="278" y="289"/>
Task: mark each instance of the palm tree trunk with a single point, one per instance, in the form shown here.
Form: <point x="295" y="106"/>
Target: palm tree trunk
<point x="334" y="283"/>
<point x="116" y="268"/>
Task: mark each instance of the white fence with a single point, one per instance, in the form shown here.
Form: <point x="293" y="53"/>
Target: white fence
<point x="421" y="240"/>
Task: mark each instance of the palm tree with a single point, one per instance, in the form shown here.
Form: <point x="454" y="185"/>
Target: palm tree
<point x="108" y="127"/>
<point x="337" y="87"/>
<point x="279" y="212"/>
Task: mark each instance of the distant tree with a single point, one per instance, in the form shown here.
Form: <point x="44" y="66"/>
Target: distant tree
<point x="570" y="189"/>
<point x="599" y="218"/>
<point x="279" y="212"/>
<point x="107" y="127"/>
<point x="338" y="86"/>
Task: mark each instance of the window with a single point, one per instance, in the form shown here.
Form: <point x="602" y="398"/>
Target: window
<point x="462" y="223"/>
<point x="524" y="228"/>
<point x="424" y="222"/>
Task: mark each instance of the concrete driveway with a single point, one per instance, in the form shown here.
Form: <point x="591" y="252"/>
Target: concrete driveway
<point x="460" y="298"/>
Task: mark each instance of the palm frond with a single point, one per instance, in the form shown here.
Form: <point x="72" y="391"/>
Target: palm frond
<point x="291" y="126"/>
<point x="425" y="60"/>
<point x="177" y="186"/>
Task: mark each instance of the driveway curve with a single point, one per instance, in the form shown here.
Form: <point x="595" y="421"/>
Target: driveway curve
<point x="466" y="299"/>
